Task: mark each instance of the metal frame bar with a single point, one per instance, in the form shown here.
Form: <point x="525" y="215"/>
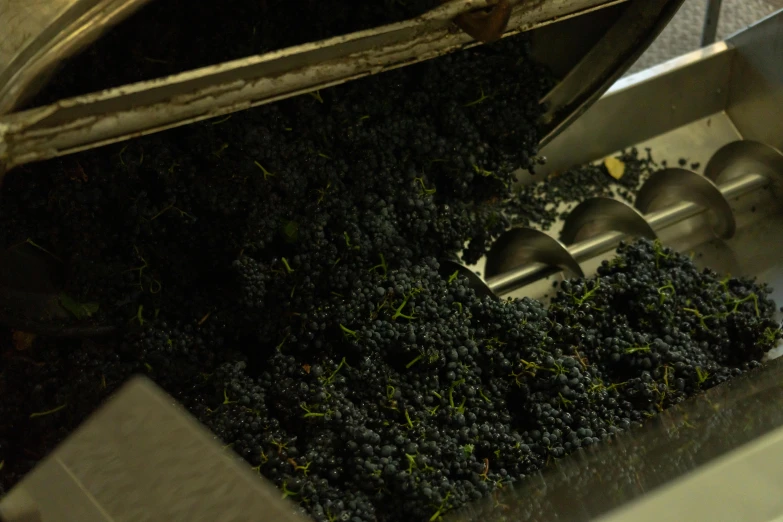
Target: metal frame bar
<point x="711" y="19"/>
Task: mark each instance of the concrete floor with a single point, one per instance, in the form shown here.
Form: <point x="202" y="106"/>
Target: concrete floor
<point x="683" y="34"/>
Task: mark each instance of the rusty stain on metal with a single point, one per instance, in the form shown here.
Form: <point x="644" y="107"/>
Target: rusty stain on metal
<point x="486" y="25"/>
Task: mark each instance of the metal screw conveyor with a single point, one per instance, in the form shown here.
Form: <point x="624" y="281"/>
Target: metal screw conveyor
<point x="718" y="106"/>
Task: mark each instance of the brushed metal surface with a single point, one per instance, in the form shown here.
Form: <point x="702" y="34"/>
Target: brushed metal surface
<point x="743" y="485"/>
<point x="596" y="215"/>
<point x="756" y="86"/>
<point x="38" y="34"/>
<point x="640" y="23"/>
<point x="644" y="105"/>
<point x="740" y="157"/>
<point x="676" y="185"/>
<point x="141" y="458"/>
<point x="522" y="245"/>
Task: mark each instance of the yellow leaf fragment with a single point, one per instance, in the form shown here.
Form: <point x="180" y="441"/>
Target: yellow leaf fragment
<point x="615" y="167"/>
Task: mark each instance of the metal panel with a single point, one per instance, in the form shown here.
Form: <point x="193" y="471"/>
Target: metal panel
<point x="141" y="458"/>
<point x="38" y="35"/>
<point x="644" y="105"/>
<point x="640" y="23"/>
<point x="756" y="90"/>
<point x="743" y="485"/>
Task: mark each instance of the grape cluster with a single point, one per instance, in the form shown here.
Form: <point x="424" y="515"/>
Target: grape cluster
<point x="643" y="459"/>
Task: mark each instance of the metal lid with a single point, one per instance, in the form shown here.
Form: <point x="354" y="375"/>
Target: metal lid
<point x="590" y="63"/>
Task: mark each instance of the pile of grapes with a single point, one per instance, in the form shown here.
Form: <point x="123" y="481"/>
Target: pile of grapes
<point x="277" y="271"/>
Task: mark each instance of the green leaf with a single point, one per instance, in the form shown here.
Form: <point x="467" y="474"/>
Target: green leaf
<point x="79" y="310"/>
<point x="291" y="231"/>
